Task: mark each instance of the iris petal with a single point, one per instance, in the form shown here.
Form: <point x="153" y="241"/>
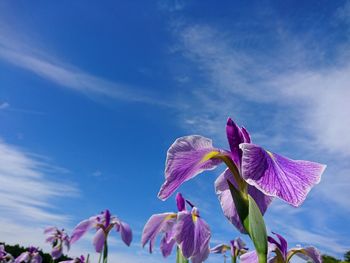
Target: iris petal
<point x="187" y="157"/>
<point x="156" y="224"/>
<point x="193" y="235"/>
<point x="275" y="175"/>
<point x="167" y="243"/>
<point x="308" y="253"/>
<point x="24" y="257"/>
<point x="219" y="249"/>
<point x="81" y="229"/>
<point x="235" y="137"/>
<point x="126" y="233"/>
<point x="228" y="207"/>
<point x="249" y="257"/>
<point x="99" y="240"/>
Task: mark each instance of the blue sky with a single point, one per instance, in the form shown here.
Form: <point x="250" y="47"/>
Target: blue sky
<point x="92" y="95"/>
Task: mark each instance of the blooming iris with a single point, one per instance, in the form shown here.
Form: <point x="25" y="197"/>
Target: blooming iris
<point x="237" y="248"/>
<point x="251" y="169"/>
<point x="279" y="247"/>
<point x="57" y="238"/>
<point x="4" y="256"/>
<point x="184" y="228"/>
<point x="103" y="223"/>
<point x="31" y="255"/>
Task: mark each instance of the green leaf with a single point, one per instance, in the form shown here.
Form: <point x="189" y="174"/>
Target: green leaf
<point x="257" y="229"/>
<point x="241" y="202"/>
<point x="179" y="257"/>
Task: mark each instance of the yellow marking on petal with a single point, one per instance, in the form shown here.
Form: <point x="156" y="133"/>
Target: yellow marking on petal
<point x="209" y="155"/>
<point x="270" y="154"/>
<point x="194" y="218"/>
<point x="170" y="217"/>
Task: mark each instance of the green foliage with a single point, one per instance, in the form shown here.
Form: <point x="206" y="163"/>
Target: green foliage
<point x="16" y="250"/>
<point x="330" y="259"/>
<point x="347" y="256"/>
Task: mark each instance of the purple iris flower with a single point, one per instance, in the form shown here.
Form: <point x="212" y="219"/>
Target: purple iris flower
<point x="80" y="259"/>
<point x="4" y="256"/>
<point x="184" y="228"/>
<point x="31" y="255"/>
<point x="58" y="239"/>
<point x="103" y="224"/>
<point x="237" y="248"/>
<point x="260" y="173"/>
<point x="281" y="252"/>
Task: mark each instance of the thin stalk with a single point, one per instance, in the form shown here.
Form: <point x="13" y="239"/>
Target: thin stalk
<point x="234" y="259"/>
<point x="105" y="252"/>
<point x="100" y="257"/>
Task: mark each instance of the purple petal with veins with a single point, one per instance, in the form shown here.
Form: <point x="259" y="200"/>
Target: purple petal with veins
<point x="56" y="252"/>
<point x="235" y="137"/>
<point x="193" y="235"/>
<point x="81" y="229"/>
<point x="24" y="257"/>
<point x="167" y="243"/>
<point x="180" y="202"/>
<point x="228" y="207"/>
<point x="275" y="175"/>
<point x="159" y="223"/>
<point x="249" y="257"/>
<point x="126" y="233"/>
<point x="99" y="240"/>
<point x="282" y="245"/>
<point x="309" y="253"/>
<point x="187" y="157"/>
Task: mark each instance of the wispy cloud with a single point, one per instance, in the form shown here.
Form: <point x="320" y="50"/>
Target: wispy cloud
<point x="28" y="194"/>
<point x="4" y="105"/>
<point x="238" y="80"/>
<point x="42" y="63"/>
<point x="291" y="99"/>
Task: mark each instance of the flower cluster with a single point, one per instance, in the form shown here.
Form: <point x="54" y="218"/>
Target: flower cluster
<point x="103" y="224"/>
<point x="32" y="255"/>
<point x="282" y="254"/>
<point x="4" y="256"/>
<point x="237" y="248"/>
<point x="245" y="189"/>
<point x="58" y="239"/>
<point x="184" y="228"/>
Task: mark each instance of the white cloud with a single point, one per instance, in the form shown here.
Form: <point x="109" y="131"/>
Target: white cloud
<point x="27" y="195"/>
<point x="316" y="98"/>
<point x="304" y="103"/>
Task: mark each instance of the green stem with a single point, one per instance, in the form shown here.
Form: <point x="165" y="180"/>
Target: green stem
<point x="179" y="257"/>
<point x="262" y="258"/>
<point x="105" y="252"/>
<point x="242" y="185"/>
<point x="99" y="259"/>
<point x="234" y="259"/>
<point x="87" y="258"/>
